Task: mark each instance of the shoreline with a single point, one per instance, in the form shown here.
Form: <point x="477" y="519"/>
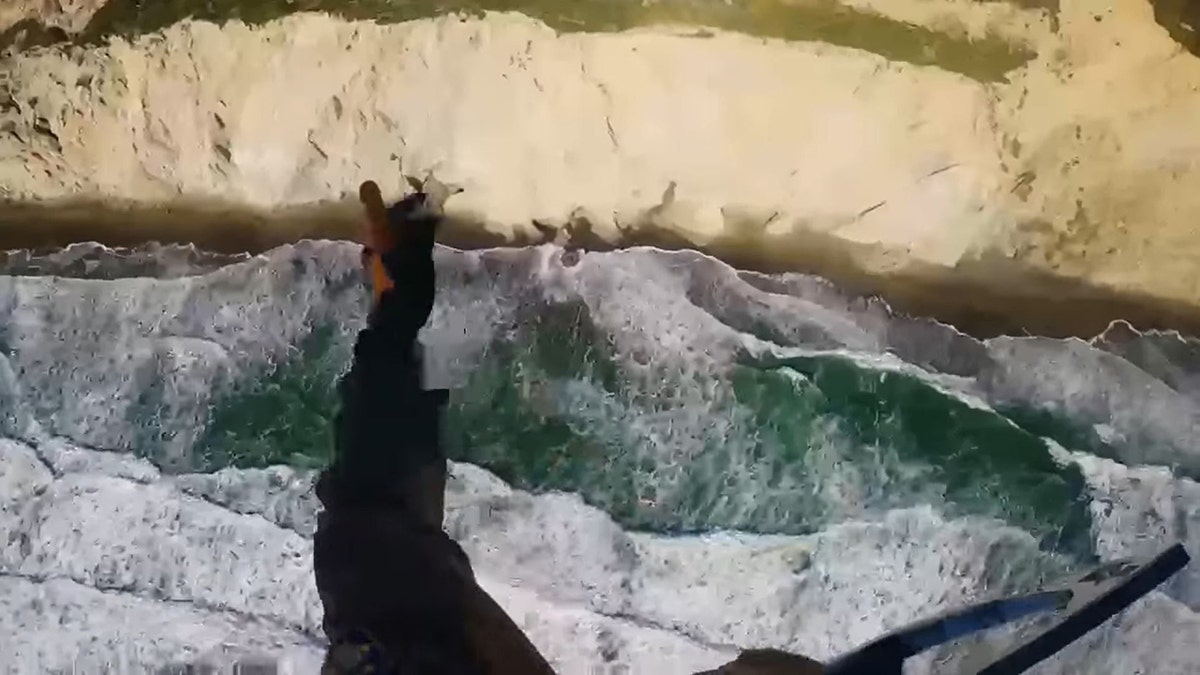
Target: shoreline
<point x="983" y="298"/>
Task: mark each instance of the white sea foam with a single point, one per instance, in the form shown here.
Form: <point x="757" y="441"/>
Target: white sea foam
<point x="96" y="539"/>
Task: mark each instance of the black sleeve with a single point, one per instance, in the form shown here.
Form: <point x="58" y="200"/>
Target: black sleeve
<point x="388" y="426"/>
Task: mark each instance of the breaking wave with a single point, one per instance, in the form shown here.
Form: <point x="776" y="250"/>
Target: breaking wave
<point x="659" y="457"/>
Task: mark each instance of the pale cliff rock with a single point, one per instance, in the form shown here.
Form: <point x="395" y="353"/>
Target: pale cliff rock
<point x="1082" y="165"/>
<point x="533" y="126"/>
<point x="1103" y="138"/>
<point x="71" y="16"/>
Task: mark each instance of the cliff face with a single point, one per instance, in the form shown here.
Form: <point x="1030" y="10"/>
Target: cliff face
<point x="1078" y="164"/>
<point x="28" y="22"/>
<point x="72" y="16"/>
<point x="1104" y="149"/>
<point x="531" y="125"/>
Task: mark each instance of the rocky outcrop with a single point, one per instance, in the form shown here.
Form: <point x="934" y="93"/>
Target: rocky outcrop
<point x="71" y="16"/>
<point x="25" y="23"/>
<point x="1073" y="178"/>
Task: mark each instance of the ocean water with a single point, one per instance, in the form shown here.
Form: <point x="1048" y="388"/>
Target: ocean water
<point x="658" y="459"/>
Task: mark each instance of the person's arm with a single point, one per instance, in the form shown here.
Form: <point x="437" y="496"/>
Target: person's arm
<point x="387" y="443"/>
<point x="386" y="560"/>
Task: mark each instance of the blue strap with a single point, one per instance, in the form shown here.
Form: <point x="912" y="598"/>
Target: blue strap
<point x="1086" y="603"/>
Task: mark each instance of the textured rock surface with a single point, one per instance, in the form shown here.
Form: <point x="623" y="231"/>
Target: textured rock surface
<point x="1081" y="166"/>
<point x="533" y="126"/>
<point x="71" y="16"/>
<point x="32" y="23"/>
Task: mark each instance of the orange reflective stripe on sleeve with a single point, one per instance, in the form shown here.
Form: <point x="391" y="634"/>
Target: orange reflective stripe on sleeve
<point x="380" y="281"/>
<point x="380" y="238"/>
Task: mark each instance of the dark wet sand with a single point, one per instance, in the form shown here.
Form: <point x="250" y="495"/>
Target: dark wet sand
<point x="984" y="300"/>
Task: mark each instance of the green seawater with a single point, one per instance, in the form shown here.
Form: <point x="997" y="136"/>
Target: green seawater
<point x="786" y="446"/>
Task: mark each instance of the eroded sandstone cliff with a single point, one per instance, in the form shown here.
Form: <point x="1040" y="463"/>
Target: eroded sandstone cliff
<point x="1068" y="172"/>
